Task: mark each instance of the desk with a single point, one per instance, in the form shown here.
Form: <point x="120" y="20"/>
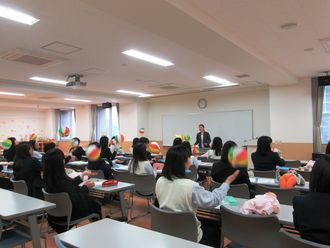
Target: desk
<point x="106" y="231"/>
<point x="271" y="182"/>
<point x="285" y="215"/>
<point x="17" y="205"/>
<point x="77" y="165"/>
<point x="119" y="188"/>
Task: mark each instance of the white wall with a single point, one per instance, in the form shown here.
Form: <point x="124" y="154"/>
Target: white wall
<point x="128" y="120"/>
<point x="255" y="99"/>
<point x="291" y="116"/>
<point x="83" y="122"/>
<point x="22" y="122"/>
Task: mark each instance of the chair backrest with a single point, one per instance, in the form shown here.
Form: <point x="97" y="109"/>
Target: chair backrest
<point x="239" y="190"/>
<point x="284" y="196"/>
<point x="268" y="174"/>
<point x="63" y="204"/>
<point x="179" y="224"/>
<point x="122" y="176"/>
<point x="144" y="184"/>
<point x="203" y="159"/>
<point x="289" y="240"/>
<point x="20" y="186"/>
<point x="193" y="173"/>
<point x="213" y="160"/>
<point x="293" y="163"/>
<point x="305" y="174"/>
<point x="99" y="174"/>
<point x="251" y="231"/>
<point x="215" y="185"/>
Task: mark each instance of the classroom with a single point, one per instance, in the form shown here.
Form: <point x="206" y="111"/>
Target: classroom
<point x="165" y="123"/>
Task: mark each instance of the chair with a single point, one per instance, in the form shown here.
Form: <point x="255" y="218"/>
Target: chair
<point x="98" y="174"/>
<point x="284" y="196"/>
<point x="305" y="174"/>
<point x="122" y="176"/>
<point x="289" y="240"/>
<point x="178" y="224"/>
<point x="144" y="188"/>
<point x="293" y="163"/>
<point x="268" y="174"/>
<point x="64" y="208"/>
<point x="59" y="243"/>
<point x="192" y="175"/>
<point x="236" y="190"/>
<point x="20" y="186"/>
<point x="203" y="159"/>
<point x="251" y="231"/>
<point x="213" y="160"/>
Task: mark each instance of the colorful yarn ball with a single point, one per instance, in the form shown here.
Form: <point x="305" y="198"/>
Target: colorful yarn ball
<point x="141" y="131"/>
<point x="120" y="138"/>
<point x="6" y="144"/>
<point x="33" y="136"/>
<point x="64" y="133"/>
<point x="238" y="157"/>
<point x="154" y="148"/>
<point x="195" y="150"/>
<point x="93" y="153"/>
<point x="186" y="137"/>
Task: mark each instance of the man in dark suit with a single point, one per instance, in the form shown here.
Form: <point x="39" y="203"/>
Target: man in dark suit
<point x="203" y="138"/>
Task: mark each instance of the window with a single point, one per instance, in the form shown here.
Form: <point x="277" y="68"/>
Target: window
<point x="66" y="118"/>
<point x="325" y="124"/>
<point x="107" y="122"/>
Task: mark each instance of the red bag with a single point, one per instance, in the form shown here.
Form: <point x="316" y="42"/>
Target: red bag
<point x="108" y="183"/>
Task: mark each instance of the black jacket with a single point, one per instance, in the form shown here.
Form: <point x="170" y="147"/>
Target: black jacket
<point x="30" y="172"/>
<point x="78" y="152"/>
<point x="101" y="165"/>
<point x="9" y="154"/>
<point x="82" y="203"/>
<point x="106" y="153"/>
<point x="311" y="216"/>
<point x="267" y="161"/>
<point x="221" y="170"/>
<point x="206" y="139"/>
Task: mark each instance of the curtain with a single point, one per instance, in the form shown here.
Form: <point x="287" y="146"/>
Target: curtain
<point x="93" y="122"/>
<point x="317" y="105"/>
<point x="56" y="124"/>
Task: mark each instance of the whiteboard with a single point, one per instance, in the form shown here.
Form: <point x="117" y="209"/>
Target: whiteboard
<point x="229" y="125"/>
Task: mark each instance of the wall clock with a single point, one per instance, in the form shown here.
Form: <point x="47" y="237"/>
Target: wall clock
<point x="202" y="103"/>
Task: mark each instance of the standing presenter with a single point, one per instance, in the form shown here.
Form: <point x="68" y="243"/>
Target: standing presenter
<point x="203" y="138"/>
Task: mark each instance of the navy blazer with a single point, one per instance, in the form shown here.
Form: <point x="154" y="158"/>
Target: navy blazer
<point x="206" y="139"/>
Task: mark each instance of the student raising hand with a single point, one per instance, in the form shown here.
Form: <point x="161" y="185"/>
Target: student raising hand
<point x="232" y="177"/>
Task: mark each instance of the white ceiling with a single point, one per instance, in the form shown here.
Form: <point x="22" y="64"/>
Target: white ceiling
<point x="221" y="37"/>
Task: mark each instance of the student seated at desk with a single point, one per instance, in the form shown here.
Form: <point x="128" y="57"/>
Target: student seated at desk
<point x="48" y="146"/>
<point x="29" y="169"/>
<point x="9" y="154"/>
<point x="177" y="141"/>
<point x="222" y="169"/>
<point x="105" y="150"/>
<point x="76" y="151"/>
<point x="35" y="146"/>
<point x="56" y="181"/>
<point x="215" y="151"/>
<point x="140" y="164"/>
<point x="100" y="164"/>
<point x="146" y="142"/>
<point x="264" y="159"/>
<point x="194" y="161"/>
<point x="177" y="193"/>
<point x="311" y="214"/>
<point x="134" y="142"/>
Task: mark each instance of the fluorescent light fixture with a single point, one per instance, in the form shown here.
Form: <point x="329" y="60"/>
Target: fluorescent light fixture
<point x="139" y="94"/>
<point x="11" y="94"/>
<point x="219" y="80"/>
<point x="17" y="16"/>
<point x="49" y="80"/>
<point x="76" y="100"/>
<point x="147" y="57"/>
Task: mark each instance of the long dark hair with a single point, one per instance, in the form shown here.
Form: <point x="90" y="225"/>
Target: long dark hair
<point x="177" y="141"/>
<point x="22" y="153"/>
<point x="54" y="171"/>
<point x="188" y="146"/>
<point x="225" y="150"/>
<point x="320" y="176"/>
<point x="135" y="141"/>
<point x="217" y="146"/>
<point x="13" y="140"/>
<point x="33" y="144"/>
<point x="104" y="142"/>
<point x="176" y="158"/>
<point x="327" y="150"/>
<point x="263" y="144"/>
<point x="139" y="154"/>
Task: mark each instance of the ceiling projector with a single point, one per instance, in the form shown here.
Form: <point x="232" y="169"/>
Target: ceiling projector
<point x="73" y="81"/>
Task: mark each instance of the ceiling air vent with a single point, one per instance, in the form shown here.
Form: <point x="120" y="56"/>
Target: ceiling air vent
<point x="28" y="57"/>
